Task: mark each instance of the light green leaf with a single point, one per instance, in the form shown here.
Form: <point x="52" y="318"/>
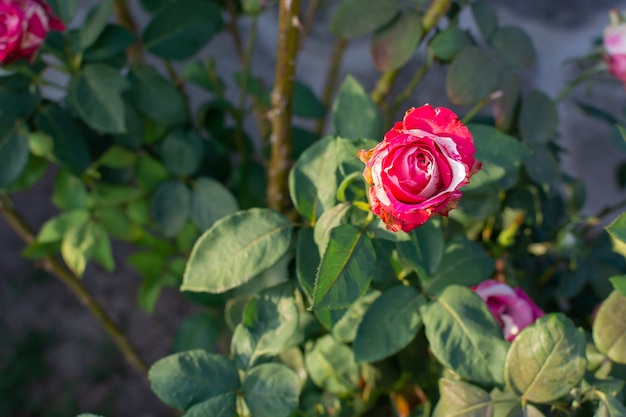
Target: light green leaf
<point x="376" y="339"/>
<point x="78" y="246"/>
<point x="345" y="329"/>
<point x="96" y="94"/>
<point x="327" y="222"/>
<point x="464" y="336"/>
<point x="345" y="270"/>
<point x="55" y="228"/>
<point x="460" y="399"/>
<point x="609" y="327"/>
<point x="331" y="366"/>
<point x="271" y="390"/>
<point x="210" y="201"/>
<point x="619" y="283"/>
<point x="356" y="18"/>
<point x="355" y="115"/>
<point x="553" y="353"/>
<point x="235" y="249"/>
<point x="94" y="23"/>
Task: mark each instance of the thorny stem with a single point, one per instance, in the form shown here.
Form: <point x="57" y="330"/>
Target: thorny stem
<point x="281" y="98"/>
<point x="125" y="18"/>
<point x="436" y="10"/>
<point x="73" y="283"/>
<point x="331" y="80"/>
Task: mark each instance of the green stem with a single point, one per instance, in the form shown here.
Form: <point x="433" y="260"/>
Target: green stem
<point x="331" y="80"/>
<point x="410" y="87"/>
<point x="474" y="110"/>
<point x="233" y="28"/>
<point x="281" y="98"/>
<point x="435" y="12"/>
<point x="577" y="81"/>
<point x="75" y="285"/>
<point x="125" y="18"/>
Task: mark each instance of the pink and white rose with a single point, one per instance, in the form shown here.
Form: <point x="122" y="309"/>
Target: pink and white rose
<point x="615" y="46"/>
<point x="417" y="170"/>
<point x="24" y="25"/>
<point x="512" y="307"/>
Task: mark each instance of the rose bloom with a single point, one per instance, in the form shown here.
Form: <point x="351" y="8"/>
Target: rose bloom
<point x="24" y="25"/>
<point x="615" y="46"/>
<point x="511" y="307"/>
<point x="417" y="170"/>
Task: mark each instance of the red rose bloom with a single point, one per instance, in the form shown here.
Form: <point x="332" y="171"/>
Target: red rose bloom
<point x="24" y="25"/>
<point x="417" y="170"/>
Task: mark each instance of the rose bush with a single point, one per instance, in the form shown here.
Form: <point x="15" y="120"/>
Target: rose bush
<point x="512" y="308"/>
<point x="614" y="40"/>
<point x="24" y="25"/>
<point x="417" y="170"/>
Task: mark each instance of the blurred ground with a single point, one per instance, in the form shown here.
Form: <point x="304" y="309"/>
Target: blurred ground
<point x="55" y="360"/>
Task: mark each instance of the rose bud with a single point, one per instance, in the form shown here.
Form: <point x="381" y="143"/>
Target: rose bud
<point x="24" y="25"/>
<point x="511" y="307"/>
<point x="418" y="168"/>
<point x="615" y="46"/>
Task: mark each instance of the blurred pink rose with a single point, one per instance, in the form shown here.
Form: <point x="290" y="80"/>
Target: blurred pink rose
<point x="417" y="170"/>
<point x="511" y="307"/>
<point x="615" y="46"/>
<point x="24" y="25"/>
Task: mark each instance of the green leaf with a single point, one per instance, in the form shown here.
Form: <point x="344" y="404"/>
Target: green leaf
<point x="609" y="327"/>
<point x="210" y="201"/>
<point x="485" y="17"/>
<point x="331" y="366"/>
<point x="70" y="147"/>
<point x="14" y="153"/>
<point x="65" y="9"/>
<point x="539" y="118"/>
<point x="617" y="231"/>
<point x="69" y="191"/>
<point x="79" y="244"/>
<point x="156" y="97"/>
<point x="356" y="18"/>
<point x="94" y="23"/>
<point x="553" y="353"/>
<point x="459" y="398"/>
<point x="543" y="168"/>
<point x="181" y="152"/>
<point x="354" y="113"/>
<point x="182" y="28"/>
<point x="393" y="45"/>
<point x="327" y="222"/>
<point x="464" y="336"/>
<point x="345" y="329"/>
<point x="307" y="261"/>
<point x="271" y="390"/>
<point x="235" y="249"/>
<point x="197" y="381"/>
<point x="55" y="228"/>
<point x="424" y="249"/>
<point x="471" y="77"/>
<point x="97" y="97"/>
<point x="619" y="283"/>
<point x="513" y="46"/>
<point x="113" y="41"/>
<point x="500" y="154"/>
<point x="170" y="207"/>
<point x="447" y="44"/>
<point x="345" y="270"/>
<point x="375" y="338"/>
<point x="269" y="326"/>
<point x="312" y="180"/>
<point x="305" y="103"/>
<point x="197" y="331"/>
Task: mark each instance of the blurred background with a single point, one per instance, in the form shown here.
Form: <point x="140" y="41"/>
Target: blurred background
<point x="55" y="360"/>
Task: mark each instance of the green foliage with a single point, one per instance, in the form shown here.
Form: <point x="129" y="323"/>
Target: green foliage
<point x="355" y="18"/>
<point x="471" y="77"/>
<point x="393" y="45"/>
<point x="354" y="114"/>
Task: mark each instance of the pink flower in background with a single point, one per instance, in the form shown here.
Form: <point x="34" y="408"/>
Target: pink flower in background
<point x="511" y="307"/>
<point x="615" y="46"/>
<point x="24" y="25"/>
<point x="417" y="170"/>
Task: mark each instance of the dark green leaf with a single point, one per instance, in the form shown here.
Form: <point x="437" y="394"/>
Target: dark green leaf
<point x="182" y="28"/>
<point x="356" y="18"/>
<point x="513" y="46"/>
<point x="345" y="329"/>
<point x="65" y="9"/>
<point x="345" y="270"/>
<point x="425" y="248"/>
<point x="539" y="118"/>
<point x="465" y="337"/>
<point x="197" y="331"/>
<point x="312" y="181"/>
<point x="170" y="207"/>
<point x="305" y="103"/>
<point x="95" y="23"/>
<point x="210" y="201"/>
<point x="181" y="152"/>
<point x="307" y="261"/>
<point x="471" y="77"/>
<point x="97" y="96"/>
<point x="543" y="168"/>
<point x="553" y="353"/>
<point x="113" y="41"/>
<point x="14" y="152"/>
<point x="459" y="398"/>
<point x="393" y="45"/>
<point x="156" y="97"/>
<point x="609" y="327"/>
<point x="354" y="113"/>
<point x="235" y="249"/>
<point x="485" y="17"/>
<point x="446" y="44"/>
<point x="197" y="381"/>
<point x="331" y="366"/>
<point x="375" y="338"/>
<point x="271" y="390"/>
